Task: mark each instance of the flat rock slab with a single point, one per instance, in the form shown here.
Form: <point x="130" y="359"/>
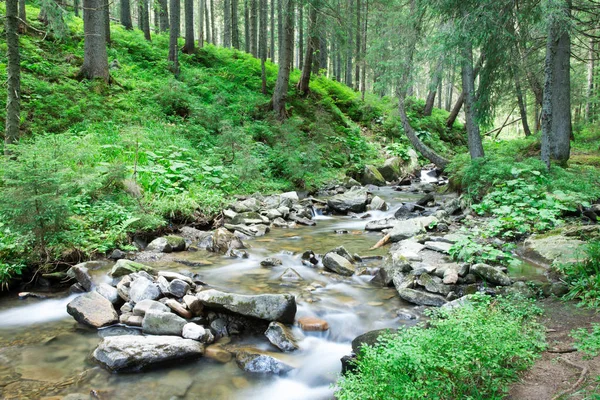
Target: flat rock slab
<point x="126" y="267"/>
<point x="548" y="249"/>
<point x="268" y="307"/>
<point x="134" y="353"/>
<point x="421" y="298"/>
<point x="441" y="247"/>
<point x="491" y="274"/>
<point x="351" y="201"/>
<point x="260" y="363"/>
<point x="93" y="309"/>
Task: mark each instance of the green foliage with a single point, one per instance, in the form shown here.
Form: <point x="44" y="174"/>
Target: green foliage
<point x="475" y="249"/>
<point x="583" y="277"/>
<point x="473" y="351"/>
<point x="588" y="342"/>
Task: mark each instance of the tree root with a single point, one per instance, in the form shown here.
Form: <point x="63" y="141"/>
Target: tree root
<point x="582" y="376"/>
<point x="562" y="351"/>
<point x="382" y="242"/>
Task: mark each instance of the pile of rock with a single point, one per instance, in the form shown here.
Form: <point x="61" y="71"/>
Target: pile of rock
<point x="178" y="315"/>
<point x="394" y="169"/>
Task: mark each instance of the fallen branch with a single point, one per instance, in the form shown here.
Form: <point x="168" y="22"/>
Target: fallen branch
<point x="382" y="242"/>
<point x="562" y="351"/>
<point x="582" y="376"/>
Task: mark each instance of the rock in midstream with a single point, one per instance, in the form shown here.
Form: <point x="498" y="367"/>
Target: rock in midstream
<point x="338" y="264"/>
<point x="134" y="353"/>
<point x="92" y="309"/>
<point x="281" y="337"/>
<point x="352" y="201"/>
<point x="268" y="307"/>
<point x="491" y="274"/>
<point x="257" y="362"/>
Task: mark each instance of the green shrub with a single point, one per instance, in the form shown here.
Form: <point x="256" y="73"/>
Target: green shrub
<point x="588" y="342"/>
<point x="583" y="277"/>
<point x="473" y="351"/>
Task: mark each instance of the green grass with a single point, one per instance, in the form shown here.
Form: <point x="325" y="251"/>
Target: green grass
<point x="472" y="352"/>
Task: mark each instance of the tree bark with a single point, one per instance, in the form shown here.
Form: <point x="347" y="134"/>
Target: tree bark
<point x="95" y="58"/>
<point x="145" y="19"/>
<point x="300" y="34"/>
<point x="226" y="23"/>
<point x="283" y="76"/>
<point x="461" y="99"/>
<point x="436" y="79"/>
<point x="213" y="27"/>
<point x="201" y="23"/>
<point x="358" y="49"/>
<point x="22" y="17"/>
<point x="363" y="80"/>
<point x="590" y="81"/>
<point x="350" y="46"/>
<point x="175" y="23"/>
<point x="246" y="26"/>
<point x="254" y="28"/>
<point x="521" y="102"/>
<point x="126" y="14"/>
<point x="163" y="15"/>
<point x="207" y="25"/>
<point x="262" y="41"/>
<point x="75" y="7"/>
<point x="556" y="106"/>
<point x="468" y="86"/>
<point x="235" y="29"/>
<point x="280" y="33"/>
<point x="311" y="47"/>
<point x="106" y="19"/>
<point x="189" y="46"/>
<point x="13" y="70"/>
<point x="272" y="48"/>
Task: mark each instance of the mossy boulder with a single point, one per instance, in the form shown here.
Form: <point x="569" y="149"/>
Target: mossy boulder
<point x="372" y="176"/>
<point x="126" y="267"/>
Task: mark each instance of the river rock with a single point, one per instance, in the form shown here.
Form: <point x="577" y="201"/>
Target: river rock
<point x="92" y="309"/>
<point x="178" y="288"/>
<point x="555" y="248"/>
<point x="412" y="227"/>
<point x="249" y="218"/>
<point x="134" y="353"/>
<point x="193" y="304"/>
<point x="125" y="267"/>
<point x="491" y="274"/>
<point x="220" y="241"/>
<point x="247" y="205"/>
<point x="440" y="247"/>
<point x="426" y="200"/>
<point x="268" y="307"/>
<point x="256" y="362"/>
<point x="217" y="353"/>
<point x="370" y="338"/>
<point x="381" y="224"/>
<point x="312" y="324"/>
<point x="178" y="308"/>
<point x="197" y="332"/>
<point x="433" y="284"/>
<point x="421" y="298"/>
<point x="371" y="176"/>
<point x="169" y="276"/>
<point x="338" y="264"/>
<point x="145" y="306"/>
<point x="142" y="288"/>
<point x="352" y="201"/>
<point x="162" y="323"/>
<point x="407" y="249"/>
<point x="520" y="289"/>
<point x="80" y="273"/>
<point x="391" y="169"/>
<point x="270" y="262"/>
<point x="273" y="214"/>
<point x="281" y="337"/>
<point x="108" y="292"/>
<point x="450" y="276"/>
<point x="377" y="204"/>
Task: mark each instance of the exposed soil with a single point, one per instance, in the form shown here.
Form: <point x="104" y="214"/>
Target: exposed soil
<point x="557" y="375"/>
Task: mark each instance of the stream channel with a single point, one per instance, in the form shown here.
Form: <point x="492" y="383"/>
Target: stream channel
<point x="45" y="353"/>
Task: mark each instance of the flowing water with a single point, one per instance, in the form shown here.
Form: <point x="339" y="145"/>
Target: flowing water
<point x="43" y="352"/>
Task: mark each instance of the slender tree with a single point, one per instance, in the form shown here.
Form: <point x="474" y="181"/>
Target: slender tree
<point x="213" y="27"/>
<point x="262" y="41"/>
<point x="207" y="23"/>
<point x="95" y="58"/>
<point x="75" y="7"/>
<point x="201" y="8"/>
<point x="468" y="86"/>
<point x="435" y="82"/>
<point x="190" y="44"/>
<point x="175" y="16"/>
<point x="311" y="47"/>
<point x="13" y="70"/>
<point x="246" y="26"/>
<point x="235" y="29"/>
<point x="144" y="16"/>
<point x="300" y="33"/>
<point x="126" y="14"/>
<point x="521" y="102"/>
<point x="226" y="23"/>
<point x="106" y="19"/>
<point x="22" y="17"/>
<point x="254" y="28"/>
<point x="272" y="46"/>
<point x="283" y="76"/>
<point x="590" y="79"/>
<point x="163" y="15"/>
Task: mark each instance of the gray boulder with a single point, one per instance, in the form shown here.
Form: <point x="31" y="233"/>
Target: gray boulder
<point x="134" y="353"/>
<point x="381" y="224"/>
<point x="125" y="267"/>
<point x="370" y="338"/>
<point x="377" y="204"/>
<point x="441" y="247"/>
<point x="268" y="307"/>
<point x="220" y="241"/>
<point x="352" y="201"/>
<point x="391" y="169"/>
<point x="178" y="288"/>
<point x="167" y="244"/>
<point x="197" y="332"/>
<point x="145" y="306"/>
<point x="338" y="264"/>
<point x="421" y="298"/>
<point x="281" y="337"/>
<point x="162" y="323"/>
<point x="247" y="205"/>
<point x="260" y="363"/>
<point x="270" y="262"/>
<point x="82" y="275"/>
<point x="142" y="289"/>
<point x="491" y="274"/>
<point x="108" y="292"/>
<point x="92" y="309"/>
<point x="372" y="176"/>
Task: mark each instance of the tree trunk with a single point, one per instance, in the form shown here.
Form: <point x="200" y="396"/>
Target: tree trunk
<point x="189" y="46"/>
<point x="262" y="41"/>
<point x="207" y="25"/>
<point x="450" y="89"/>
<point x="590" y="81"/>
<point x="280" y="33"/>
<point x="468" y="86"/>
<point x="311" y="47"/>
<point x="213" y="27"/>
<point x="201" y="23"/>
<point x="521" y="102"/>
<point x="556" y="106"/>
<point x="75" y="7"/>
<point x="301" y="34"/>
<point x="13" y="70"/>
<point x="254" y="28"/>
<point x="321" y="61"/>
<point x="163" y="15"/>
<point x="246" y="26"/>
<point x="175" y="23"/>
<point x="283" y="76"/>
<point x="22" y="16"/>
<point x="358" y="49"/>
<point x="95" y="58"/>
<point x="363" y="79"/>
<point x="145" y="18"/>
<point x="439" y="98"/>
<point x="235" y="29"/>
<point x="461" y="99"/>
<point x="106" y="19"/>
<point x="272" y="51"/>
<point x="227" y="23"/>
<point x="435" y="82"/>
<point x="126" y="14"/>
<point x="349" y="46"/>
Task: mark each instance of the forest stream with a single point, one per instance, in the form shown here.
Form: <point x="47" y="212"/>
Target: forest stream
<point x="44" y="352"/>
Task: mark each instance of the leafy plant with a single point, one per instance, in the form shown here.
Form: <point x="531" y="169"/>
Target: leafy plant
<point x="587" y="341"/>
<point x="583" y="277"/>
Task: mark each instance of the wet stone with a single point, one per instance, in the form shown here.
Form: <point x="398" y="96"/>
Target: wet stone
<point x="312" y="324"/>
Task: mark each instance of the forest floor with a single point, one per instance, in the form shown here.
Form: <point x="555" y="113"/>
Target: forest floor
<point x="557" y="375"/>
